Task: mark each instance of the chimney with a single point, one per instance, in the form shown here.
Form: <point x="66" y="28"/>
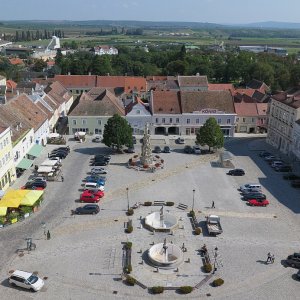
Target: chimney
<point x="90" y="73"/>
<point x="107" y="74"/>
<point x="198" y="74"/>
<point x="69" y="73"/>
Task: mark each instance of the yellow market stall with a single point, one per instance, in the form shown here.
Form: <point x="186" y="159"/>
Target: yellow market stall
<point x="18" y="204"/>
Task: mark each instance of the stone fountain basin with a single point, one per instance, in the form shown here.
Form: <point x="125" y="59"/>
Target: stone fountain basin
<point x="158" y="258"/>
<point x="152" y="221"/>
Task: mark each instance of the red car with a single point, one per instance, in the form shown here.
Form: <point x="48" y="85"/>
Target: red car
<point x="96" y="192"/>
<point x="89" y="197"/>
<point x="257" y="202"/>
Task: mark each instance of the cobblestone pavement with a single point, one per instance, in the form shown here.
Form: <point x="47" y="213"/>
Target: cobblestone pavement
<point x="83" y="259"/>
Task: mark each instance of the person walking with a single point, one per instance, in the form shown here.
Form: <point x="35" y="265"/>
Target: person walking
<point x="269" y="259"/>
<point x="213" y="204"/>
<point x="62" y="178"/>
<point x="272" y="258"/>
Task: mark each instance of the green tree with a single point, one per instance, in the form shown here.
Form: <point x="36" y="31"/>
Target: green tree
<point x="117" y="133"/>
<point x="39" y="65"/>
<point x="210" y="134"/>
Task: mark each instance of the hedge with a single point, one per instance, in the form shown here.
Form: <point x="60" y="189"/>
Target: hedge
<point x="186" y="289"/>
<point x="157" y="289"/>
<point x="207" y="268"/>
<point x="218" y="282"/>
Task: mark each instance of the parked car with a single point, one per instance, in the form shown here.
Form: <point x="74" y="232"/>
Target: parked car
<point x="295" y="183"/>
<point x="277" y="163"/>
<point x="96" y="192"/>
<point x="55" y="158"/>
<point x="61" y="155"/>
<point x="236" y="172"/>
<point x="157" y="149"/>
<point x="26" y="280"/>
<point x="188" y="149"/>
<point x="96" y="179"/>
<point x="283" y="168"/>
<point x="180" y="140"/>
<point x="197" y="149"/>
<point x="106" y="157"/>
<point x="99" y="163"/>
<point x="251" y="190"/>
<point x="93" y="186"/>
<point x="258" y="196"/>
<point x="264" y="153"/>
<point x="38" y="178"/>
<point x="95" y="171"/>
<point x="34" y="185"/>
<point x="97" y="139"/>
<point x="60" y="150"/>
<point x="66" y="148"/>
<point x="270" y="157"/>
<point x="298" y="275"/>
<point x="88" y="209"/>
<point x="88" y="197"/>
<point x="248" y="186"/>
<point x="257" y="202"/>
<point x="293" y="260"/>
<point x="167" y="149"/>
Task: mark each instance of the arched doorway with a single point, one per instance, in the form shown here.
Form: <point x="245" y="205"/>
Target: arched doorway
<point x="160" y="130"/>
<point x="173" y="130"/>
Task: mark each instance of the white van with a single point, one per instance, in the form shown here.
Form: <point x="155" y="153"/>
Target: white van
<point x="26" y="280"/>
<point x="93" y="186"/>
<point x="250" y="186"/>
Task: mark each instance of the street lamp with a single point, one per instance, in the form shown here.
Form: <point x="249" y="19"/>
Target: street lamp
<point x="193" y="200"/>
<point x="127" y="198"/>
<point x="215" y="259"/>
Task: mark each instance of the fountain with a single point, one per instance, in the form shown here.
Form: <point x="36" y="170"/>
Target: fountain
<point x="165" y="255"/>
<point x="161" y="221"/>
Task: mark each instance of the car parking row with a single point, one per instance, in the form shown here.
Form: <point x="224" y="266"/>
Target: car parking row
<point x="94" y="185"/>
<point x="280" y="166"/>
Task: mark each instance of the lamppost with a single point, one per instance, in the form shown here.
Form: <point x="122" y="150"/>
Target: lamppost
<point x="193" y="200"/>
<point x="127" y="198"/>
<point x="215" y="259"/>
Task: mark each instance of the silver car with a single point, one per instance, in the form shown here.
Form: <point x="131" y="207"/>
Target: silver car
<point x="98" y="171"/>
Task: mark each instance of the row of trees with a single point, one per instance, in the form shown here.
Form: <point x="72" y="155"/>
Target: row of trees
<point x="118" y="133"/>
<point x="231" y="66"/>
<point x="29" y="35"/>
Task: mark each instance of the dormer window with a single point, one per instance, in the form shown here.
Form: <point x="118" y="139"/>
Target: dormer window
<point x="138" y="111"/>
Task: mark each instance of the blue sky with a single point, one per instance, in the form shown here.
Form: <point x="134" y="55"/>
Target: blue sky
<point x="216" y="11"/>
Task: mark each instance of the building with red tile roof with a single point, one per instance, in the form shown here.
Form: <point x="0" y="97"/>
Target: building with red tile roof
<point x="251" y="117"/>
<point x="220" y="87"/>
<point x="16" y="61"/>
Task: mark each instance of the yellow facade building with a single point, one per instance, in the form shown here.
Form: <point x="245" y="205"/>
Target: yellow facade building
<point x="7" y="168"/>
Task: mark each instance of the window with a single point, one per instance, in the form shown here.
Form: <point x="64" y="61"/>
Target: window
<point x="163" y="120"/>
<point x="4" y="143"/>
<point x="197" y="121"/>
<point x="237" y="119"/>
<point x="156" y="120"/>
<point x="177" y="120"/>
<point x="244" y="120"/>
<point x="228" y="121"/>
<point x="99" y="122"/>
<point x="188" y="121"/>
<point x="7" y="142"/>
<point x="252" y="120"/>
<point x="74" y="122"/>
<point x="171" y="120"/>
<point x="219" y="121"/>
<point x="83" y="121"/>
<point x="138" y="112"/>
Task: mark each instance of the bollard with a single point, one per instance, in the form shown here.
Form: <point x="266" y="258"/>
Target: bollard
<point x="48" y="235"/>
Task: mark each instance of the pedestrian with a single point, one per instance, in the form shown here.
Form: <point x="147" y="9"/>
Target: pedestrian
<point x="213" y="204"/>
<point x="269" y="259"/>
<point x="62" y="178"/>
<point x="273" y="259"/>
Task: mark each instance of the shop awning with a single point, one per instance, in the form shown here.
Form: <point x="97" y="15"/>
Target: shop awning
<point x="31" y="197"/>
<point x="35" y="150"/>
<point x="25" y="164"/>
<point x="3" y="211"/>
